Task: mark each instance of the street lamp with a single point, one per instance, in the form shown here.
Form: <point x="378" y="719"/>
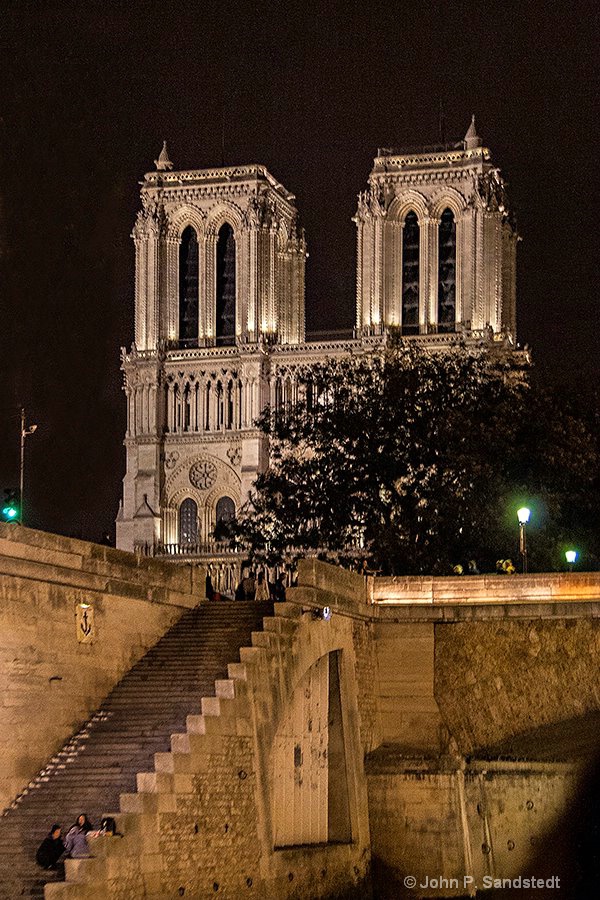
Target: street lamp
<point x="571" y="558"/>
<point x="523" y="515"/>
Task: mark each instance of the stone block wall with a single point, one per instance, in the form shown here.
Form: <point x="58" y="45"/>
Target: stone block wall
<point x="408" y="712"/>
<point x="416" y="828"/>
<point x="539" y="588"/>
<point x="50" y="682"/>
<point x="495" y="679"/>
<point x="511" y="809"/>
<point x="450" y="830"/>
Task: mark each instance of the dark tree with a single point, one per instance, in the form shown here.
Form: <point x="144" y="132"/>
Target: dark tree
<point x="417" y="460"/>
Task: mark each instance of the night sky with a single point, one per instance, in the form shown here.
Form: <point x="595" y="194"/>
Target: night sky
<point x="89" y="90"/>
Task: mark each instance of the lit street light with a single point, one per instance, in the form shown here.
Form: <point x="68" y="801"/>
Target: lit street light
<point x="571" y="558"/>
<point x="523" y="515"/>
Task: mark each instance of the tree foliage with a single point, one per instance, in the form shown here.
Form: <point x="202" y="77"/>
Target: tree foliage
<point x="417" y="461"/>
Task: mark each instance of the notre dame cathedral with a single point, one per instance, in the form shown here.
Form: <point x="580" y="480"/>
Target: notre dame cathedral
<point x="220" y="325"/>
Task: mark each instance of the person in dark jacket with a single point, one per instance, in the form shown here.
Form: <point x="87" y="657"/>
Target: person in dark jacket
<point x="279" y="591"/>
<point x="210" y="591"/>
<point x="76" y="840"/>
<point x="51" y="849"/>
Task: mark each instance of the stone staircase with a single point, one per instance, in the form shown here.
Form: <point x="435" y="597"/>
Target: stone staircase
<point x="135" y="722"/>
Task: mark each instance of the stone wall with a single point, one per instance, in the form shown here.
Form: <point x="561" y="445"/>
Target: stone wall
<point x="495" y="679"/>
<point x="50" y="681"/>
<point x="539" y="588"/>
<point x="450" y="830"/>
<point x="408" y="712"/>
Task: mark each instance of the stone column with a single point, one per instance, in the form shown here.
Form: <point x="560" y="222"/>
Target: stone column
<point x="130" y="405"/>
<point x="428" y="262"/>
<point x="141" y="275"/>
<point x="377" y="302"/>
<point x="170" y="283"/>
<point x="152" y="404"/>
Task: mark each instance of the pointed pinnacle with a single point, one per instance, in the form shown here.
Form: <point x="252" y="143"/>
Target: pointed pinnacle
<point x="163" y="163"/>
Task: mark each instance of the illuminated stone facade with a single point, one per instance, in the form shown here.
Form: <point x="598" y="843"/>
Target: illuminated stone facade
<point x="436" y="248"/>
<point x="219" y="314"/>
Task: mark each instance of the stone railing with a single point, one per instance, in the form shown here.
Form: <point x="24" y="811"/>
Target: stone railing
<point x="547" y="587"/>
<point x="208" y="548"/>
<point x="222" y="564"/>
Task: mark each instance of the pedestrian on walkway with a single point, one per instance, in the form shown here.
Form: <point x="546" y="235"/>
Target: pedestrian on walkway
<point x="262" y="589"/>
<point x="279" y="591"/>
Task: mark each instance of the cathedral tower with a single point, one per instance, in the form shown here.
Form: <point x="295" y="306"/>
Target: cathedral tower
<point x="436" y="246"/>
<point x="219" y="281"/>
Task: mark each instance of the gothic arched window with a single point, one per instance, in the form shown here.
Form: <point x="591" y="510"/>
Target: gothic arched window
<point x="207" y="402"/>
<point x="220" y="406"/>
<point x="187" y="408"/>
<point x="410" y="274"/>
<point x="447" y="272"/>
<point x="226" y="285"/>
<point x="188" y="522"/>
<point x="229" y="406"/>
<point x="188" y="288"/>
<point x="225" y="511"/>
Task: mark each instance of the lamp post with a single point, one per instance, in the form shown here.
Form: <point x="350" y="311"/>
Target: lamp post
<point x="523" y="515"/>
<point x="25" y="432"/>
<point x="571" y="558"/>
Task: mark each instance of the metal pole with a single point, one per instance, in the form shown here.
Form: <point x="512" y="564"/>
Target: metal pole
<point x="24" y="433"/>
<point x="22" y="470"/>
<point x="523" y="546"/>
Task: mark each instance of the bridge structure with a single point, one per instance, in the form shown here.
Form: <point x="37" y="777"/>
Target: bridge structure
<point x="372" y="731"/>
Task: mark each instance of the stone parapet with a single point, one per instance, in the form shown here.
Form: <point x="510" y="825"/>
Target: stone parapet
<point x="74" y="618"/>
<point x="540" y="588"/>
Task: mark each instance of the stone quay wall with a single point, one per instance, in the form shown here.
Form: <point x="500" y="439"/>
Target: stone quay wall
<point x="426" y="670"/>
<point x="449" y="830"/>
<point x="74" y="618"/>
<point x="497" y="679"/>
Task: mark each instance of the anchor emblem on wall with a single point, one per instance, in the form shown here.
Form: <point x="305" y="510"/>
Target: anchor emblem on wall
<point x="84" y="618"/>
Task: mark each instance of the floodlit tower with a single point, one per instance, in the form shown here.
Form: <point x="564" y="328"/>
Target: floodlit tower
<point x="436" y="243"/>
<point x="219" y="280"/>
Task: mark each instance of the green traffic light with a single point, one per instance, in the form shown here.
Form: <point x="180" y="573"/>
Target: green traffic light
<point x="10" y="509"/>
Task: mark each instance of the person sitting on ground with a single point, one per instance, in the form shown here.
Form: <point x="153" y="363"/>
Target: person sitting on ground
<point x="51" y="849"/>
<point x="76" y="843"/>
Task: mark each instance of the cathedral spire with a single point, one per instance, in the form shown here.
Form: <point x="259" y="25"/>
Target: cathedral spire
<point x="471" y="138"/>
<point x="163" y="163"/>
